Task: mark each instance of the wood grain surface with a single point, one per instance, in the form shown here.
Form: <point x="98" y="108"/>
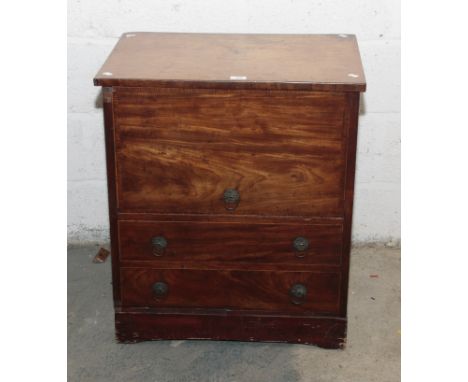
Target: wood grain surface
<point x="178" y="151"/>
<point x="273" y="117"/>
<point x="326" y="332"/>
<point x="230" y="243"/>
<point x="351" y="125"/>
<point x="260" y="290"/>
<point x="112" y="190"/>
<point x="313" y="62"/>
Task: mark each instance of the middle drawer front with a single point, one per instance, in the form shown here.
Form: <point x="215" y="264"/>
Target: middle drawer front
<point x="230" y="242"/>
<point x="286" y="291"/>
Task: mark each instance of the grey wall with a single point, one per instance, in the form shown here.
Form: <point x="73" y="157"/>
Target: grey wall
<point x="94" y="28"/>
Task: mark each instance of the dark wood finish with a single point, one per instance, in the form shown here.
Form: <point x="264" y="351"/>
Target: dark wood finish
<point x="326" y="332"/>
<point x="312" y="62"/>
<point x="227" y="242"/>
<point x="351" y="124"/>
<point x="179" y="150"/>
<point x="263" y="290"/>
<point x="112" y="189"/>
<point x="229" y="217"/>
<point x="179" y="133"/>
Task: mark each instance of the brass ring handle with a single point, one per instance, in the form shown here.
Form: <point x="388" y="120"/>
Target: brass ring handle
<point x="160" y="289"/>
<point x="300" y="245"/>
<point x="159" y="245"/>
<point x="298" y="293"/>
<point x="231" y="198"/>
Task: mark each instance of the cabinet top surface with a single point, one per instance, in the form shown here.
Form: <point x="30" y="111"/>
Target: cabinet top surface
<point x="315" y="62"/>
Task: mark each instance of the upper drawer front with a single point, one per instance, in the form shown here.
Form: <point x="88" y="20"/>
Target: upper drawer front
<point x="179" y="150"/>
<point x="230" y="243"/>
<point x="317" y="292"/>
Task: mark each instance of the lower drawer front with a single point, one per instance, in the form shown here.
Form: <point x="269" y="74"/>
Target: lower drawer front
<point x="314" y="292"/>
<point x="292" y="243"/>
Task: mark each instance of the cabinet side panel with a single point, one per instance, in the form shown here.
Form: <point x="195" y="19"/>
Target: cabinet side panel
<point x="111" y="188"/>
<point x="351" y="124"/>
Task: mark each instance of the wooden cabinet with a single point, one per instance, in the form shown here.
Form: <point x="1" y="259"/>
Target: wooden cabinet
<point x="230" y="164"/>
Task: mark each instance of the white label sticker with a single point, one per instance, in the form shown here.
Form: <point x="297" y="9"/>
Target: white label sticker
<point x="238" y="78"/>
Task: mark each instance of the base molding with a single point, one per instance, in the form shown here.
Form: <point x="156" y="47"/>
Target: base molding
<point x="325" y="332"/>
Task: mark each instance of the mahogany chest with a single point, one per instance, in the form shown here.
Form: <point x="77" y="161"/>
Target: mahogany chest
<point x="230" y="163"/>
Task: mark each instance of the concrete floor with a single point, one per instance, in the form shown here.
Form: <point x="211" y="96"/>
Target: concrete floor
<point x="372" y="353"/>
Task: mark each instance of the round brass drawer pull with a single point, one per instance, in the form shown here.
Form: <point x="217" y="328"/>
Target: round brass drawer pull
<point x="300" y="245"/>
<point x="159" y="245"/>
<point x="160" y="289"/>
<point x="231" y="199"/>
<point x="298" y="293"/>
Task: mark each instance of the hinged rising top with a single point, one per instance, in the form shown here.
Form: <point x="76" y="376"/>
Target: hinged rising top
<point x="239" y="61"/>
